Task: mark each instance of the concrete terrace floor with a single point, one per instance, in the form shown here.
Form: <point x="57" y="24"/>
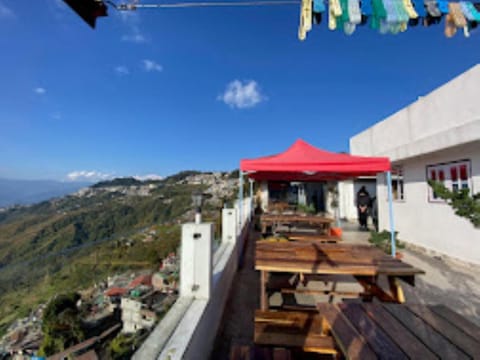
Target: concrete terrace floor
<point x="454" y="284"/>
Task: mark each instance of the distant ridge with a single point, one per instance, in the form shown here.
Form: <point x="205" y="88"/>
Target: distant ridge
<point x="25" y="192"/>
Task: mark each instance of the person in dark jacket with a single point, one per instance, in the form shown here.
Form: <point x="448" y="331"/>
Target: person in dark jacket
<point x="363" y="202"/>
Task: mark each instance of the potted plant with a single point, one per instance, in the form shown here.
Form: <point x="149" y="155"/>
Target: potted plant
<point x="382" y="240"/>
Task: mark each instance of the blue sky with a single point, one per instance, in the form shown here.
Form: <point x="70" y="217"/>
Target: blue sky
<point x="159" y="91"/>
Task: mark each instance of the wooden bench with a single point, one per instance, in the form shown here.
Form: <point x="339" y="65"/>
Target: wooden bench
<point x="293" y="329"/>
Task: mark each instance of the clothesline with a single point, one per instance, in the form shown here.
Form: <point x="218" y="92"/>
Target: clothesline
<point x="206" y="4"/>
<point x="386" y="16"/>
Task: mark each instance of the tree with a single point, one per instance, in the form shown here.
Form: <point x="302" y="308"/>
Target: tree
<point x="464" y="204"/>
<point x="61" y="324"/>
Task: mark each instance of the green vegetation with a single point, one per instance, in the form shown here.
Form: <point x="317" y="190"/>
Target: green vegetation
<point x="127" y="181"/>
<point x="307" y="209"/>
<point x="382" y="240"/>
<point x="123" y="346"/>
<point x="71" y="243"/>
<point x="464" y="204"/>
<point x="61" y="324"/>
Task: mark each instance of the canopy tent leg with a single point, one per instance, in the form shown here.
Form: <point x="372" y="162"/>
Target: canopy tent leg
<point x="337" y="209"/>
<point x="251" y="197"/>
<point x="390" y="213"/>
<point x="240" y="197"/>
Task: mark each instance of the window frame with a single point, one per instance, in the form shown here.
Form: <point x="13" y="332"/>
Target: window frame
<point x="395" y="169"/>
<point x="448" y="182"/>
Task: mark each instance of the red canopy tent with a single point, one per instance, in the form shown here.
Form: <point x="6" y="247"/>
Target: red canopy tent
<point x="304" y="162"/>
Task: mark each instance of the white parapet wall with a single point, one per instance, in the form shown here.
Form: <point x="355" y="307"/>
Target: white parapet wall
<point x="189" y="329"/>
<point x="196" y="260"/>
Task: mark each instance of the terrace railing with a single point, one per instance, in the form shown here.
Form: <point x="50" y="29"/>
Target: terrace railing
<point x="189" y="329"/>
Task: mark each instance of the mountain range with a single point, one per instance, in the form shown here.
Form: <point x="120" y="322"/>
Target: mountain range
<point x="25" y="192"/>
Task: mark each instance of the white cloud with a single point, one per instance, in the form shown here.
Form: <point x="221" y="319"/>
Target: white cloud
<point x="150" y="65"/>
<point x="122" y="70"/>
<point x="6" y="12"/>
<point x="148" y="177"/>
<point x="242" y="95"/>
<point x="134" y="38"/>
<point x="132" y="21"/>
<point x="92" y="176"/>
<point x="40" y="90"/>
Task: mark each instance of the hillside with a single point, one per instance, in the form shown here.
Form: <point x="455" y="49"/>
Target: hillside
<point x="63" y="244"/>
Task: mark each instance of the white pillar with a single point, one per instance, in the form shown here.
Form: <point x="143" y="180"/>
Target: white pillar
<point x="229" y="226"/>
<point x="196" y="260"/>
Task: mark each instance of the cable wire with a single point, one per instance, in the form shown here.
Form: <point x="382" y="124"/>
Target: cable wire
<point x="124" y="7"/>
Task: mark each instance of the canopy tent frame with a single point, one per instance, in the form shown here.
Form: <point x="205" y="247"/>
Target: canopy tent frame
<point x="345" y="169"/>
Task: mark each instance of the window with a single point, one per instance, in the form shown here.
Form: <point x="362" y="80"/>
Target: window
<point x="454" y="176"/>
<point x="397" y="183"/>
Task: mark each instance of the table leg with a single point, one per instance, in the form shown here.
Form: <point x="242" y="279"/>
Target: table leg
<point x="396" y="289"/>
<point x="263" y="290"/>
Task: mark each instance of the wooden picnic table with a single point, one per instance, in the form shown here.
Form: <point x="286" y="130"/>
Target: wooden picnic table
<point x="290" y="220"/>
<point x="307" y="259"/>
<point x="309" y="237"/>
<point x="365" y="331"/>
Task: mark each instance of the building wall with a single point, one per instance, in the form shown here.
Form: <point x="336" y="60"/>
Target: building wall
<point x="440" y="127"/>
<point x="446" y="117"/>
<point x="433" y="225"/>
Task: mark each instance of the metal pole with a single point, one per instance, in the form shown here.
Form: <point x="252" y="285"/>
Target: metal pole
<point x="390" y="212"/>
<point x="337" y="210"/>
<point x="240" y="197"/>
<point x="251" y="197"/>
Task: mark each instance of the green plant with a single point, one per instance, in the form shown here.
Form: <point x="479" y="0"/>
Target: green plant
<point x="464" y="204"/>
<point x="307" y="209"/>
<point x="382" y="240"/>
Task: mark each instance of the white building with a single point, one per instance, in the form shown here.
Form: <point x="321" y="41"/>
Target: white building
<point x="135" y="315"/>
<point x="437" y="137"/>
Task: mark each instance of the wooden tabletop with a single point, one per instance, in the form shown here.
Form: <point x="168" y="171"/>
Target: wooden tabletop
<point x="318" y="258"/>
<point x="394" y="331"/>
<point x="310" y="236"/>
<point x="296" y="218"/>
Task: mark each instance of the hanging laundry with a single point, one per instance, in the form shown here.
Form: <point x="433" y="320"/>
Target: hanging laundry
<point x="466" y="11"/>
<point x="454" y="20"/>
<point x="456" y="11"/>
<point x="354" y="13"/>
<point x="354" y="16"/>
<point x="366" y="10"/>
<point x="334" y="11"/>
<point x="397" y="17"/>
<point x="419" y="8"/>
<point x="318" y="6"/>
<point x="442" y="6"/>
<point x="305" y="19"/>
<point x="434" y="15"/>
<point x="379" y="14"/>
<point x="402" y="14"/>
<point x="450" y="28"/>
<point x="473" y="10"/>
<point x="432" y="8"/>
<point x="318" y="9"/>
<point x="412" y="14"/>
<point x="343" y="21"/>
